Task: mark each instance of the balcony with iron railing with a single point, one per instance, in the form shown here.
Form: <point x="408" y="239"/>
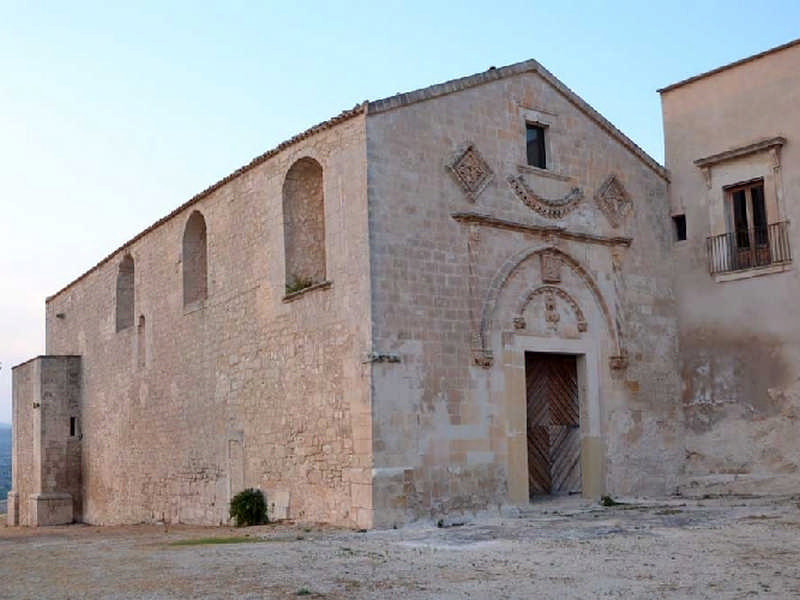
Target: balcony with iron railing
<point x="749" y="248"/>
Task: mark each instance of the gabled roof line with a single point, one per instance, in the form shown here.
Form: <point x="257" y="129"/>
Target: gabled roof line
<point x="342" y="116"/>
<point x="736" y="63"/>
<point x="390" y="103"/>
<point x="495" y="74"/>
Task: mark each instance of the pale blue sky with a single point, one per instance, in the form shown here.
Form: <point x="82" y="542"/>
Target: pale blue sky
<point x="113" y="114"/>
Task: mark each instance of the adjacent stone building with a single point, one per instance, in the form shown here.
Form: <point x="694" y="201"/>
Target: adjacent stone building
<point x="447" y="300"/>
<point x="731" y="149"/>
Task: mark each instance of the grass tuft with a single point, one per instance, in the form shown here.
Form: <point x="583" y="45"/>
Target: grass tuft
<point x="210" y="541"/>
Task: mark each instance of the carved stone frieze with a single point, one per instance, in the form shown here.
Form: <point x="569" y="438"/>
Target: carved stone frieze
<point x="552" y="209"/>
<point x="614" y="200"/>
<point x="481" y="352"/>
<point x="471" y="172"/>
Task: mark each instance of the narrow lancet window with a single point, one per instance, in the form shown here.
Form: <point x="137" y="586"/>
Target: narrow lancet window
<point x="195" y="287"/>
<point x="125" y="294"/>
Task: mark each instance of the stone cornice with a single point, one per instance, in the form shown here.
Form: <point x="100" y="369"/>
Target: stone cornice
<point x="543" y="230"/>
<point x="738" y="152"/>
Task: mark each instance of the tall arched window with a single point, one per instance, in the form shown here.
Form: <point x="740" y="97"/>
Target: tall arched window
<point x="194" y="259"/>
<point x="125" y="293"/>
<point x="304" y="225"/>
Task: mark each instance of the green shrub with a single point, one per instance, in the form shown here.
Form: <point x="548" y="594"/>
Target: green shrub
<point x="248" y="507"/>
<point x="609" y="501"/>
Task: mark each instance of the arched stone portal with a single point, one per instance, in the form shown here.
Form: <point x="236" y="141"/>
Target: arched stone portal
<point x="552" y="376"/>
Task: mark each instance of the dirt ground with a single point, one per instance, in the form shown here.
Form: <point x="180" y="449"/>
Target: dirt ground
<point x="563" y="548"/>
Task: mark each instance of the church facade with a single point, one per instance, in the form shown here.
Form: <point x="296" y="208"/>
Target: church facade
<point x="448" y="300"/>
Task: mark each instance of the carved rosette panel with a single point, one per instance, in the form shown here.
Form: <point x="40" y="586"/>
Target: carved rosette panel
<point x="614" y="200"/>
<point x="552" y="209"/>
<point x="471" y="172"/>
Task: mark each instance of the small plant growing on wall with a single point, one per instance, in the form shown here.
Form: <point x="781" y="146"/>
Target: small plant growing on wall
<point x="248" y="507"/>
<point x="296" y="284"/>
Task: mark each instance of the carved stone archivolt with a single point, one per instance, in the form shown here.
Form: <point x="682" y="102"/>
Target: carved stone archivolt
<point x="552" y="316"/>
<point x="552" y="209"/>
<point x="482" y="354"/>
<point x="614" y="200"/>
<point x="471" y="172"/>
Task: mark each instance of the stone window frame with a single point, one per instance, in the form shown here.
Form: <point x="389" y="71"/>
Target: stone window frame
<point x="745" y="164"/>
<point x="771" y="146"/>
<point x="549" y="123"/>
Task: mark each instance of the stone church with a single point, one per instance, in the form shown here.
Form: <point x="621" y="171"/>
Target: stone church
<point x="448" y="300"/>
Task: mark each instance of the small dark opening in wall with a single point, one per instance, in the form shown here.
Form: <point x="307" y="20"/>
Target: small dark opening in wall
<point x="534" y="138"/>
<point x="679" y="222"/>
<point x="73" y="422"/>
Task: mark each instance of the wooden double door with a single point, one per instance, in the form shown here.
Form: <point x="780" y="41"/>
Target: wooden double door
<point x="554" y="440"/>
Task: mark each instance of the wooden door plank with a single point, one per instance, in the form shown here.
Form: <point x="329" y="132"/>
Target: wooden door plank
<point x="553" y="423"/>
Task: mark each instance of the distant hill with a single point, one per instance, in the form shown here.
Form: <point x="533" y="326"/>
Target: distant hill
<point x="5" y="460"/>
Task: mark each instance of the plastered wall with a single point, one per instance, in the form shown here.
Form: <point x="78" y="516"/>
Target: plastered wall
<point x="740" y="338"/>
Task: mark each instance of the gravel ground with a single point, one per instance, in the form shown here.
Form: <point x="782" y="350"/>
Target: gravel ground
<point x="561" y="548"/>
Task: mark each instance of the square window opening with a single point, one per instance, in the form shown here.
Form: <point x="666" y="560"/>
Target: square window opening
<point x="679" y="226"/>
<point x="534" y="139"/>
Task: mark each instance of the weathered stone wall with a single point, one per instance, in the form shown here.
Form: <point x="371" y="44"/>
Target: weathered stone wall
<point x="24" y="480"/>
<point x="61" y="451"/>
<point x="740" y="332"/>
<point x="244" y="387"/>
<point x="456" y="246"/>
<point x="46" y="454"/>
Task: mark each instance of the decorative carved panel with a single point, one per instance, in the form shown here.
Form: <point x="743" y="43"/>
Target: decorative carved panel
<point x="471" y="172"/>
<point x="613" y="200"/>
<point x="551" y="313"/>
<point x="482" y="357"/>
<point x="552" y="209"/>
<point x="551" y="268"/>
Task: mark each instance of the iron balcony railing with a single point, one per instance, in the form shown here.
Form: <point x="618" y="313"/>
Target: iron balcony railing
<point x="748" y="248"/>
